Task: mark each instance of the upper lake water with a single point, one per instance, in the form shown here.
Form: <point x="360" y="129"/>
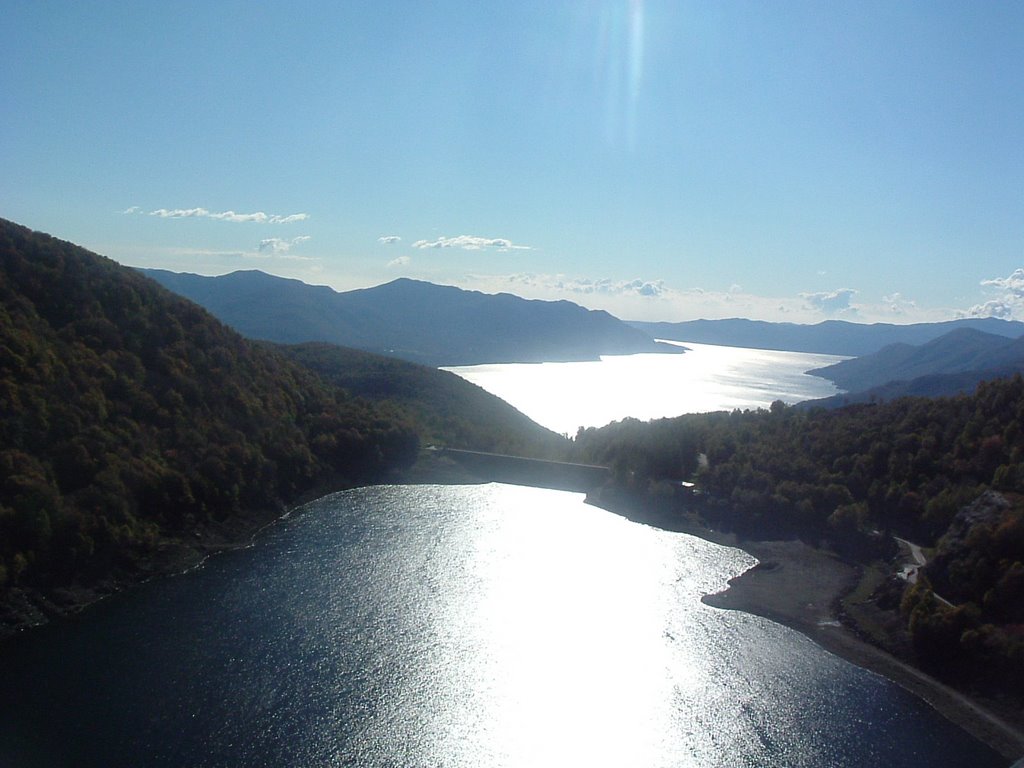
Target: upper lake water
<point x="708" y="377"/>
<point x="458" y="626"/>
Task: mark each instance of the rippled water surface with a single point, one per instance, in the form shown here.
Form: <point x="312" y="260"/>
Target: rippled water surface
<point x="452" y="626"/>
<point x="566" y="396"/>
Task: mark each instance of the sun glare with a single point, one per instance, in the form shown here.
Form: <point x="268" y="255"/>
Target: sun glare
<point x="620" y="48"/>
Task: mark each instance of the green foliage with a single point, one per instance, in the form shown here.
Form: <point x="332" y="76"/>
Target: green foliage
<point x="446" y="409"/>
<point x="906" y="467"/>
<point x="129" y="415"/>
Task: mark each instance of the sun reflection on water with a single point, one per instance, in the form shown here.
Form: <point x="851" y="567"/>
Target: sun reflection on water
<point x="461" y="627"/>
<point x="555" y="654"/>
<point x="565" y="396"/>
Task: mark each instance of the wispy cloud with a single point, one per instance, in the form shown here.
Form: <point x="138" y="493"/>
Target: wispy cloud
<point x="899" y="305"/>
<point x="1014" y="284"/>
<point x="401" y="261"/>
<point x="472" y="243"/>
<point x="258" y="217"/>
<point x="201" y="253"/>
<point x="278" y="245"/>
<point x="832" y="302"/>
<point x="991" y="308"/>
<point x="389" y="239"/>
<point x="603" y="286"/>
<point x="654" y="299"/>
<point x="1008" y="302"/>
<point x="262" y="252"/>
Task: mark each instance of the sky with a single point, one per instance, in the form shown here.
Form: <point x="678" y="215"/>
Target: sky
<point x="660" y="159"/>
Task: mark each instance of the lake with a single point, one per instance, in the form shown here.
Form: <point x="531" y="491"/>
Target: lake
<point x="566" y="396"/>
<point x="452" y="626"/>
<point x="470" y="626"/>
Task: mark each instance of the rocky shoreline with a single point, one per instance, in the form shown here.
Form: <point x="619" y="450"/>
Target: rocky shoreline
<point x="801" y="587"/>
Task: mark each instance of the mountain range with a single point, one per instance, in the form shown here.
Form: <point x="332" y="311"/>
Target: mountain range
<point x="414" y="320"/>
<point x="831" y="337"/>
<point x="137" y="431"/>
<point x="442" y="325"/>
<point x="948" y="365"/>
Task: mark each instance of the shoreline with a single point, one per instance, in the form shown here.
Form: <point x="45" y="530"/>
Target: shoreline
<point x="800" y="587"/>
<point x="26" y="609"/>
<point x="792" y="584"/>
<point x="783" y="593"/>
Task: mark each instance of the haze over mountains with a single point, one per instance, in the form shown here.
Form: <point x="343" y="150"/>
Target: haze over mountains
<point x="948" y="365"/>
<point x="410" y="319"/>
<point x="443" y="325"/>
<point x="831" y="337"/>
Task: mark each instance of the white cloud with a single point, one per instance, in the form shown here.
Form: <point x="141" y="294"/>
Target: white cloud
<point x="898" y="304"/>
<point x="832" y="302"/>
<point x="133" y="209"/>
<point x="642" y="299"/>
<point x="586" y="286"/>
<point x="1014" y="284"/>
<point x="991" y="308"/>
<point x="202" y="213"/>
<point x="1008" y="304"/>
<point x="278" y="246"/>
<point x="401" y="261"/>
<point x="389" y="239"/>
<point x="179" y="213"/>
<point x="653" y="299"/>
<point x="471" y="243"/>
<point x="274" y="244"/>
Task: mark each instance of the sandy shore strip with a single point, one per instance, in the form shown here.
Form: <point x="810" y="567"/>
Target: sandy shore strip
<point x="798" y="586"/>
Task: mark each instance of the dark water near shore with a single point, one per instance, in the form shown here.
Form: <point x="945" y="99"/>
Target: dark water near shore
<point x="452" y="626"/>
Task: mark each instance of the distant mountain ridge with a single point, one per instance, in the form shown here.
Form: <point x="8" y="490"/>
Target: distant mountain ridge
<point x="950" y="364"/>
<point x="959" y="351"/>
<point x="831" y="337"/>
<point x="139" y="433"/>
<point x="135" y="426"/>
<point x="410" y="319"/>
<point x="932" y="385"/>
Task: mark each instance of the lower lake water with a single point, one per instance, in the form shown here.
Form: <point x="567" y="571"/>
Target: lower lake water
<point x="480" y="626"/>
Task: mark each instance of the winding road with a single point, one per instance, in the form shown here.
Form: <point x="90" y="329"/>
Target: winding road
<point x="910" y="570"/>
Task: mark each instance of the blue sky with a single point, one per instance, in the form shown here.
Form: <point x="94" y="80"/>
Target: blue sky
<point x="662" y="159"/>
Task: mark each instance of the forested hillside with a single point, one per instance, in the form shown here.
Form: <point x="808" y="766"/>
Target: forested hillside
<point x="854" y="476"/>
<point x="130" y="418"/>
<point x="447" y="409"/>
<point x="958" y="352"/>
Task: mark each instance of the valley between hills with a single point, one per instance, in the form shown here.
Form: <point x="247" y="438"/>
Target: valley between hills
<point x="143" y="430"/>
